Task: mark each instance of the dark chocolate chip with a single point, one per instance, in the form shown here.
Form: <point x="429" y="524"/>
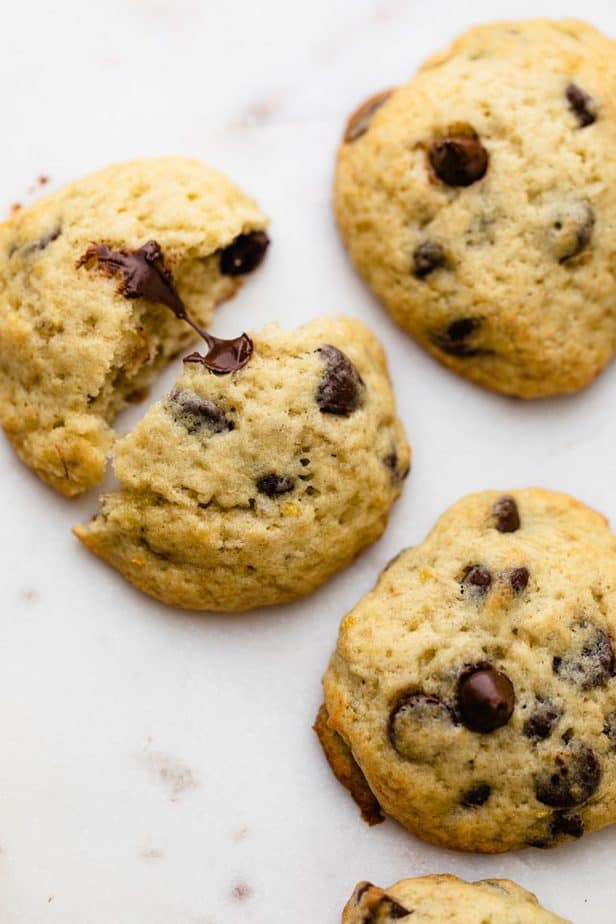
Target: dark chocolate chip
<point x="341" y="388"/>
<point x="377" y="906"/>
<point x="541" y="723"/>
<point x="573" y="779"/>
<point x="589" y="662"/>
<point x="224" y="356"/>
<point x="413" y="714"/>
<point x="609" y="728"/>
<point x="486" y="699"/>
<point x="453" y="340"/>
<point x="273" y="484"/>
<point x="505" y="512"/>
<point x="582" y="105"/>
<point x="42" y="242"/>
<point x="359" y="122"/>
<point x="477" y="578"/>
<point x="518" y="579"/>
<point x="143" y="270"/>
<point x="427" y="257"/>
<point x="459" y="159"/>
<point x="572" y="825"/>
<point x="244" y="254"/>
<point x="572" y="230"/>
<point x="391" y="462"/>
<point x="476" y="796"/>
<point x="197" y="413"/>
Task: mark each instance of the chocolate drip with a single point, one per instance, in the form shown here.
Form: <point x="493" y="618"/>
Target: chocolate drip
<point x="146" y="276"/>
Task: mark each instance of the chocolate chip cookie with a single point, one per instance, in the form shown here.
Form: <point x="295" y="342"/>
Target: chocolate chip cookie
<point x="272" y="463"/>
<point x="436" y="899"/>
<point x="473" y="690"/>
<point x="95" y="284"/>
<point x="478" y="203"/>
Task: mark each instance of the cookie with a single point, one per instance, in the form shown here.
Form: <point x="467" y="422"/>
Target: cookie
<point x="91" y="280"/>
<point x="440" y="898"/>
<point x="479" y="203"/>
<point x="253" y="487"/>
<point x="474" y="686"/>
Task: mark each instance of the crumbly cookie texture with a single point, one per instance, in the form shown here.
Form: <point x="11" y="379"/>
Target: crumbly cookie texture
<point x="253" y="488"/>
<point x="478" y="203"/>
<point x="444" y="899"/>
<point x="77" y="338"/>
<point x="474" y="686"/>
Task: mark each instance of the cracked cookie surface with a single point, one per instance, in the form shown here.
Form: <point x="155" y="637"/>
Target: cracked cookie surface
<point x="445" y="899"/>
<point x="478" y="203"/>
<point x="254" y="487"/>
<point x="474" y="686"/>
<point x="80" y="333"/>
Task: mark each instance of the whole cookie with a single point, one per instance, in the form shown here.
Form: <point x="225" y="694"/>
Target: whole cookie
<point x="443" y="899"/>
<point x="474" y="687"/>
<point x="90" y="279"/>
<point x="254" y="487"/>
<point x="479" y="203"/>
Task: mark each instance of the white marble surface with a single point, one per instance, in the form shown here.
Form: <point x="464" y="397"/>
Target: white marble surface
<point x="157" y="766"/>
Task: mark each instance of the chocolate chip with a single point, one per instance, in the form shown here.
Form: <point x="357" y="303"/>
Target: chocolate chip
<point x="582" y="105"/>
<point x="341" y="388"/>
<point x="573" y="779"/>
<point x="144" y="273"/>
<point x="589" y="662"/>
<point x="244" y="254"/>
<point x="477" y="577"/>
<point x="518" y="579"/>
<point x="359" y="122"/>
<point x="197" y="413"/>
<point x="506" y="513"/>
<point x="572" y="229"/>
<point x="453" y="340"/>
<point x="476" y="796"/>
<point x="377" y="906"/>
<point x="459" y="159"/>
<point x="572" y="825"/>
<point x="609" y="728"/>
<point x="391" y="462"/>
<point x="273" y="484"/>
<point x="541" y="723"/>
<point x="427" y="257"/>
<point x="42" y="242"/>
<point x="223" y="356"/>
<point x="418" y="726"/>
<point x="486" y="699"/>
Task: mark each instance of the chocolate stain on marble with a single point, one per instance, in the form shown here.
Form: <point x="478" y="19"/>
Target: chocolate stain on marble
<point x="152" y="853"/>
<point x="174" y="774"/>
<point x="241" y="891"/>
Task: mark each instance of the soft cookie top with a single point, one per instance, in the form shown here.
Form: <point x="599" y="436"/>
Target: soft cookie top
<point x="443" y="899"/>
<point x="253" y="487"/>
<point x="90" y="279"/>
<point x="479" y="202"/>
<point x="474" y="686"/>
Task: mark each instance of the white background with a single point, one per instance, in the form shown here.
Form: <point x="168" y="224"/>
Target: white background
<point x="159" y="766"/>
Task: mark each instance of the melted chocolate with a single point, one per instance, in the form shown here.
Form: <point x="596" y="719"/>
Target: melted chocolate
<point x="146" y="276"/>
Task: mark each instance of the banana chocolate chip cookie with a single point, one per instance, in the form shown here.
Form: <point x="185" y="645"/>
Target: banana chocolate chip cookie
<point x="472" y="692"/>
<point x="443" y="899"/>
<point x="272" y="463"/>
<point x="93" y="284"/>
<point x="479" y="203"/>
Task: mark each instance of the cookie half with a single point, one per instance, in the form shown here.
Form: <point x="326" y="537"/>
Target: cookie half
<point x="438" y="898"/>
<point x="254" y="487"/>
<point x="91" y="278"/>
<point x="474" y="687"/>
<point x="478" y="201"/>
